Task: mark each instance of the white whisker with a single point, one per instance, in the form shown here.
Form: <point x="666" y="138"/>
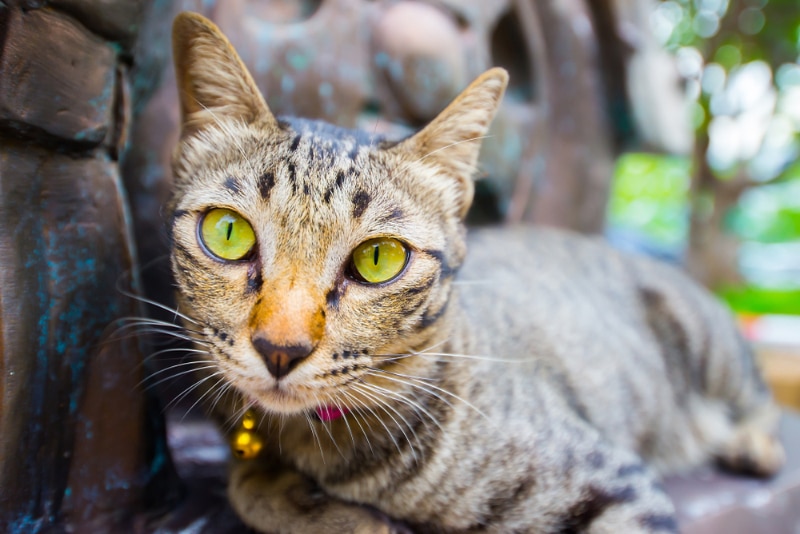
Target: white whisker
<point x="383" y="406"/>
<point x="358" y="410"/>
<point x="159" y="305"/>
<point x="326" y="425"/>
<point x="316" y="437"/>
<point x="412" y="404"/>
<point x="378" y="391"/>
<point x="188" y="350"/>
<point x="176" y="375"/>
<point x="201" y="397"/>
<point x="191" y="388"/>
<point x="414" y="382"/>
<point x="338" y="405"/>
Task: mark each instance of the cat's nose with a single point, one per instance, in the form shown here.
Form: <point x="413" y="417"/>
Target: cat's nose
<point x="280" y="359"/>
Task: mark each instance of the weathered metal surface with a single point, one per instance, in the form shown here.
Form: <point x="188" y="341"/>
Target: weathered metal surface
<point x="73" y="419"/>
<point x="114" y="20"/>
<point x="80" y="442"/>
<point x="118" y="21"/>
<point x="56" y="78"/>
<point x="570" y="175"/>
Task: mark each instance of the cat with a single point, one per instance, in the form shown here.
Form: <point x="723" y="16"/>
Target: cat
<point x="399" y="372"/>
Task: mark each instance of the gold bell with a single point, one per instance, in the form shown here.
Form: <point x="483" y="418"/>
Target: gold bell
<point x="246" y="444"/>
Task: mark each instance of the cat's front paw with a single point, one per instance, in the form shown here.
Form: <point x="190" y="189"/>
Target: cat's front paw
<point x="284" y="502"/>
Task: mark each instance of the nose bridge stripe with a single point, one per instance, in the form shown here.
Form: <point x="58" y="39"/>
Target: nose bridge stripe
<point x="294" y="318"/>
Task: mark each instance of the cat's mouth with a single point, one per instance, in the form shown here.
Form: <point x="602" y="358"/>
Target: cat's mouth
<point x="292" y="400"/>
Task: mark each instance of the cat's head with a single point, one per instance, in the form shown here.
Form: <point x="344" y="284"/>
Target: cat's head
<point x="303" y="251"/>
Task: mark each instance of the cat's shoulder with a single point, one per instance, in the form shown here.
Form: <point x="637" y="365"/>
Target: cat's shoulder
<point x="542" y="244"/>
<point x="534" y="253"/>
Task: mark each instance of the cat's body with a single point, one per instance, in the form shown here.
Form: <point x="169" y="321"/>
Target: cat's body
<point x="518" y="392"/>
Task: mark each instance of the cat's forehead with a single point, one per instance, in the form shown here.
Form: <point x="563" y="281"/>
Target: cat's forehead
<point x="305" y="157"/>
<point x="307" y="175"/>
<point x="326" y="141"/>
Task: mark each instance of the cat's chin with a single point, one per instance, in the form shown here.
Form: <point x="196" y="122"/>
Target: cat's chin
<point x="283" y="401"/>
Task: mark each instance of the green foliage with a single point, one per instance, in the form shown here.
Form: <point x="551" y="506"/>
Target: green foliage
<point x="716" y="39"/>
<point x="650" y="194"/>
<point x="756" y="300"/>
<point x="769" y="214"/>
<point x="735" y="32"/>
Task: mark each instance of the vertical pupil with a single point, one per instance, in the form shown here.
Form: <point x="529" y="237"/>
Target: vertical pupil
<point x="230" y="231"/>
<point x="375" y="254"/>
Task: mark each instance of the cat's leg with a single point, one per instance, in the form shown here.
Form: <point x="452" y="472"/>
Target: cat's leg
<point x="600" y="487"/>
<point x="708" y="360"/>
<point x="627" y="497"/>
<point x="754" y="448"/>
<point x="752" y="445"/>
<point x="279" y="501"/>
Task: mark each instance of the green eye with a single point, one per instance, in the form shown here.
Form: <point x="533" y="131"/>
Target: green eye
<point x="226" y="234"/>
<point x="379" y="259"/>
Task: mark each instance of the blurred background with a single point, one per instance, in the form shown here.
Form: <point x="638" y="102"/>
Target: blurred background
<point x="669" y="126"/>
<point x="729" y="208"/>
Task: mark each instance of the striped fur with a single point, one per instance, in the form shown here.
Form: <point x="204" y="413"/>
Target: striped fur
<point x="539" y="385"/>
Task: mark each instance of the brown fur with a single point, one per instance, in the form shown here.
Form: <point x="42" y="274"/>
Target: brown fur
<point x="539" y="385"/>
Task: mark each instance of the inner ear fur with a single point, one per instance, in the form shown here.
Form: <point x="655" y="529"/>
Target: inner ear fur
<point x="213" y="83"/>
<point x="452" y="141"/>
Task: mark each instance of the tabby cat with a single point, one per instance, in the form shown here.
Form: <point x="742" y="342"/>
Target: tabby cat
<point x="541" y="382"/>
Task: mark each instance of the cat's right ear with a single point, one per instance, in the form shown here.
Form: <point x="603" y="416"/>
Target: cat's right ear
<point x="213" y="83"/>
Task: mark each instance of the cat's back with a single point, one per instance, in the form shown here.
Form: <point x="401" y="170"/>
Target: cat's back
<point x="537" y="274"/>
<point x="574" y="312"/>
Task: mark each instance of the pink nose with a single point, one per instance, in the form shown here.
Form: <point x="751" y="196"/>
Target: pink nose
<point x="280" y="359"/>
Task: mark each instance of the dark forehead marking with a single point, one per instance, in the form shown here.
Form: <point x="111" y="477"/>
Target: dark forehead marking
<point x="232" y="185"/>
<point x="360" y="202"/>
<point x="395" y="215"/>
<point x="293" y="176"/>
<point x="340" y="140"/>
<point x="328" y="142"/>
<point x="265" y="184"/>
<point x="337" y="184"/>
<point x="340" y="176"/>
<point x="295" y="142"/>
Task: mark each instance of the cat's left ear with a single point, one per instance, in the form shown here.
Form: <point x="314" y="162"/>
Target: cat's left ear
<point x="452" y="141"/>
<point x="213" y="83"/>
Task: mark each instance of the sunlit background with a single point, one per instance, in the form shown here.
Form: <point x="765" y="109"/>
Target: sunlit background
<point x="738" y="61"/>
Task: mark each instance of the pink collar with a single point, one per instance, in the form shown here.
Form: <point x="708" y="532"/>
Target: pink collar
<point x="330" y="413"/>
